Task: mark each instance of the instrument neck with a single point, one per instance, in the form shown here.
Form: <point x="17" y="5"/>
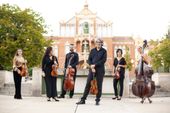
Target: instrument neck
<point x="72" y="55"/>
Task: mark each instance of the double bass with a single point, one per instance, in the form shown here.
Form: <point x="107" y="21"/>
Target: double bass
<point x="69" y="73"/>
<point x="93" y="83"/>
<point x="143" y="86"/>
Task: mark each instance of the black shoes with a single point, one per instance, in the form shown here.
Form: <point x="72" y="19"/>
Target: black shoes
<point x="97" y="103"/>
<point x="49" y="99"/>
<point x="119" y="98"/>
<point x="55" y="99"/>
<point x="81" y="102"/>
<point x="114" y="97"/>
<point x="17" y="97"/>
<point x="61" y="96"/>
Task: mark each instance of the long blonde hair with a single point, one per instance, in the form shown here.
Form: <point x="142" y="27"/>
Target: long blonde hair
<point x="16" y="53"/>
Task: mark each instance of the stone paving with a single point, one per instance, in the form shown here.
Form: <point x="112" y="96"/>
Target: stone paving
<point x="67" y="105"/>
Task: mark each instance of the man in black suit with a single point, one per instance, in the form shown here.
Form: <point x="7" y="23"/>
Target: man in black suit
<point x="96" y="60"/>
<point x="73" y="62"/>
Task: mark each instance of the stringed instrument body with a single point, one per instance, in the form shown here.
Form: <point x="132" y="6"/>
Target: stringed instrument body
<point x="93" y="83"/>
<point x="24" y="70"/>
<point x="69" y="81"/>
<point x="117" y="73"/>
<point x="54" y="71"/>
<point x="69" y="74"/>
<point x="143" y="86"/>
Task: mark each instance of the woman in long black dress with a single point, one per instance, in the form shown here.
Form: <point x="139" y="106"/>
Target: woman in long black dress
<point x="120" y="65"/>
<point x="48" y="60"/>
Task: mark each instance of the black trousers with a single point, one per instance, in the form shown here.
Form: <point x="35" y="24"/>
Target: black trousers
<point x="51" y="89"/>
<point x="99" y="77"/>
<point x="120" y="85"/>
<point x="17" y="82"/>
<point x="63" y="92"/>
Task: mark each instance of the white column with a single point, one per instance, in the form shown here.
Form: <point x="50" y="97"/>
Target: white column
<point x="2" y="78"/>
<point x="111" y="30"/>
<point x="126" y="84"/>
<point x="60" y="29"/>
<point x="36" y="81"/>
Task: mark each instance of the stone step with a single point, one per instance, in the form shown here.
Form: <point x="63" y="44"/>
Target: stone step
<point x="26" y="89"/>
<point x="9" y="89"/>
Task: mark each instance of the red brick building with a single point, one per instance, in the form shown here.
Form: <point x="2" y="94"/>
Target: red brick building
<point x="82" y="31"/>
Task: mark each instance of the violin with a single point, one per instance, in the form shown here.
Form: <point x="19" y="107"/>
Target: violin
<point x="93" y="83"/>
<point x="24" y="70"/>
<point x="117" y="73"/>
<point x="69" y="81"/>
<point x="54" y="72"/>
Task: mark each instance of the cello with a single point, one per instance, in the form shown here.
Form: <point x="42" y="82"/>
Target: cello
<point x="143" y="86"/>
<point x="93" y="88"/>
<point x="69" y="81"/>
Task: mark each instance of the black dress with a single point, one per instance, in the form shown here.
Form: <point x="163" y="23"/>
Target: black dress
<point x="50" y="81"/>
<point x="122" y="61"/>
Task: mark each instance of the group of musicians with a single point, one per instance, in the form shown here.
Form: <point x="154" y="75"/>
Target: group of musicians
<point x="96" y="61"/>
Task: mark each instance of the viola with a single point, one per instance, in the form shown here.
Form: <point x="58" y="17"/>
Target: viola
<point x="54" y="71"/>
<point x="93" y="83"/>
<point x="69" y="81"/>
<point x="117" y="73"/>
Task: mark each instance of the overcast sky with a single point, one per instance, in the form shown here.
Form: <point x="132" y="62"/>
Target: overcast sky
<point x="148" y="19"/>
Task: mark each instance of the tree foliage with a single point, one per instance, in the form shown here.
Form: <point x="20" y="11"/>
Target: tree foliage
<point x="160" y="54"/>
<point x="128" y="59"/>
<point x="21" y="29"/>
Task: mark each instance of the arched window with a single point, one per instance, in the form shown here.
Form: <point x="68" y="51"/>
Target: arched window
<point x="85" y="46"/>
<point x="86" y="28"/>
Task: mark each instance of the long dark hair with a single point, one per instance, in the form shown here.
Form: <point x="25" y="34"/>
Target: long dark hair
<point x="48" y="50"/>
<point x="118" y="51"/>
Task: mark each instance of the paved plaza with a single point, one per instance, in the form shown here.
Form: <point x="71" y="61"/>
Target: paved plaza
<point x="107" y="105"/>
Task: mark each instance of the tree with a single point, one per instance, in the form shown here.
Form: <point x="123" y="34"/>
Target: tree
<point x="161" y="54"/>
<point x="21" y="29"/>
<point x="164" y="49"/>
<point x="128" y="59"/>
